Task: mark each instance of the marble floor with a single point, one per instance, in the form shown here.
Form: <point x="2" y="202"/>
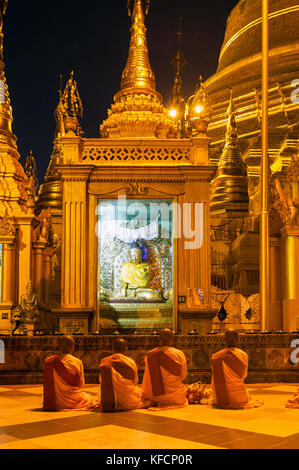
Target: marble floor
<point x="23" y="425"/>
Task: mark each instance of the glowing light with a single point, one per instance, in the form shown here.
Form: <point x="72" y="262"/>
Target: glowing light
<point x="172" y="113"/>
<point x="198" y="108"/>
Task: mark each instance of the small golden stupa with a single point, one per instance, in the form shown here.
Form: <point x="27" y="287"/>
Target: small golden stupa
<point x="138" y="110"/>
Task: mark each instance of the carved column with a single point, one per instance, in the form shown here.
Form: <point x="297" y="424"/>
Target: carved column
<point x="47" y="269"/>
<point x="290" y="276"/>
<point x="38" y="273"/>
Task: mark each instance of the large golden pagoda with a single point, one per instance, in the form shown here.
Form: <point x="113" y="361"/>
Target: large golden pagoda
<point x="235" y="243"/>
<point x="239" y="70"/>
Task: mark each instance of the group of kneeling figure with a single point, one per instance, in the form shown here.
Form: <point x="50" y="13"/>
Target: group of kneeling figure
<point x="162" y="385"/>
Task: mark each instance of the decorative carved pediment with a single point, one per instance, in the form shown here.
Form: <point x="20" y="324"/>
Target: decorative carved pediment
<point x="136" y="188"/>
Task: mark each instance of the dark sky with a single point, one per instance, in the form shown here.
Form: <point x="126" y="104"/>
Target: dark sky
<point x="43" y="39"/>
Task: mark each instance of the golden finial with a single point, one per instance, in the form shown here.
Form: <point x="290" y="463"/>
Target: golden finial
<point x="177" y="101"/>
<point x="179" y="62"/>
<point x="138" y="73"/>
<point x="71" y="98"/>
<point x="60" y="114"/>
<point x="60" y="86"/>
<point x="30" y="170"/>
<point x="131" y="4"/>
<point x="3" y="8"/>
<point x="231" y="136"/>
<point x="73" y="107"/>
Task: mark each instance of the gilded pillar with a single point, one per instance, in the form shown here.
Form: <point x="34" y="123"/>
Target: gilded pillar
<point x="74" y="239"/>
<point x="47" y="269"/>
<point x="38" y="273"/>
<point x="24" y="254"/>
<point x="275" y="317"/>
<point x="290" y="277"/>
<point x="8" y="272"/>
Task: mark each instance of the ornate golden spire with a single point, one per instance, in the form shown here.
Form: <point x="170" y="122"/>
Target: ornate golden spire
<point x="231" y="136"/>
<point x="179" y="62"/>
<point x="230" y="186"/>
<point x="66" y="114"/>
<point x="71" y="99"/>
<point x="60" y="114"/>
<point x="73" y="107"/>
<point x="177" y="101"/>
<point x="30" y="170"/>
<point x="138" y="73"/>
<point x="138" y="110"/>
<point x="6" y="134"/>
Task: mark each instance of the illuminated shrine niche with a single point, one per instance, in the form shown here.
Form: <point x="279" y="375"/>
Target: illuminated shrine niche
<point x="135" y="264"/>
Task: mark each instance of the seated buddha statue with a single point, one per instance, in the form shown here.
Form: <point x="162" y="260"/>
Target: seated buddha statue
<point x="135" y="277"/>
<point x="30" y="305"/>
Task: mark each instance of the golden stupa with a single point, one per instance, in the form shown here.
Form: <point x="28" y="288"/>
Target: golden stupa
<point x="137" y="109"/>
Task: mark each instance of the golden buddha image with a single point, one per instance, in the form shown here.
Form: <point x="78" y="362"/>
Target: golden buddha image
<point x="135" y="277"/>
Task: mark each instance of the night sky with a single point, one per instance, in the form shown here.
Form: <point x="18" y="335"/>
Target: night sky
<point x="43" y="39"/>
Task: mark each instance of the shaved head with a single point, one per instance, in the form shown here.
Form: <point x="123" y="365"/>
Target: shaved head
<point x="67" y="344"/>
<point x="166" y="337"/>
<point x="119" y="345"/>
<point x="231" y="338"/>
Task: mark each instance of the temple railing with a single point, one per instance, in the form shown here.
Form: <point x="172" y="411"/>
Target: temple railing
<point x="103" y="152"/>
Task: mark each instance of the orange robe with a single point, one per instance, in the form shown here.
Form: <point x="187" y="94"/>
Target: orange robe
<point x="229" y="367"/>
<point x="165" y="370"/>
<point x="294" y="402"/>
<point x="63" y="381"/>
<point x="119" y="390"/>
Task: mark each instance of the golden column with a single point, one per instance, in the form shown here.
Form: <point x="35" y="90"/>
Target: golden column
<point x="38" y="272"/>
<point x="264" y="216"/>
<point x="47" y="268"/>
<point x="8" y="271"/>
<point x="290" y="281"/>
<point x="75" y="231"/>
<point x="275" y="278"/>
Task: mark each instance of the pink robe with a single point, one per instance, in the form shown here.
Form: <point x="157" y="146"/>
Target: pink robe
<point x="163" y="384"/>
<point x="229" y="367"/>
<point x="119" y="389"/>
<point x="63" y="383"/>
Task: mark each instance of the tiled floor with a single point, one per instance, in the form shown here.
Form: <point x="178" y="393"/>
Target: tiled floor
<point x="23" y="425"/>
